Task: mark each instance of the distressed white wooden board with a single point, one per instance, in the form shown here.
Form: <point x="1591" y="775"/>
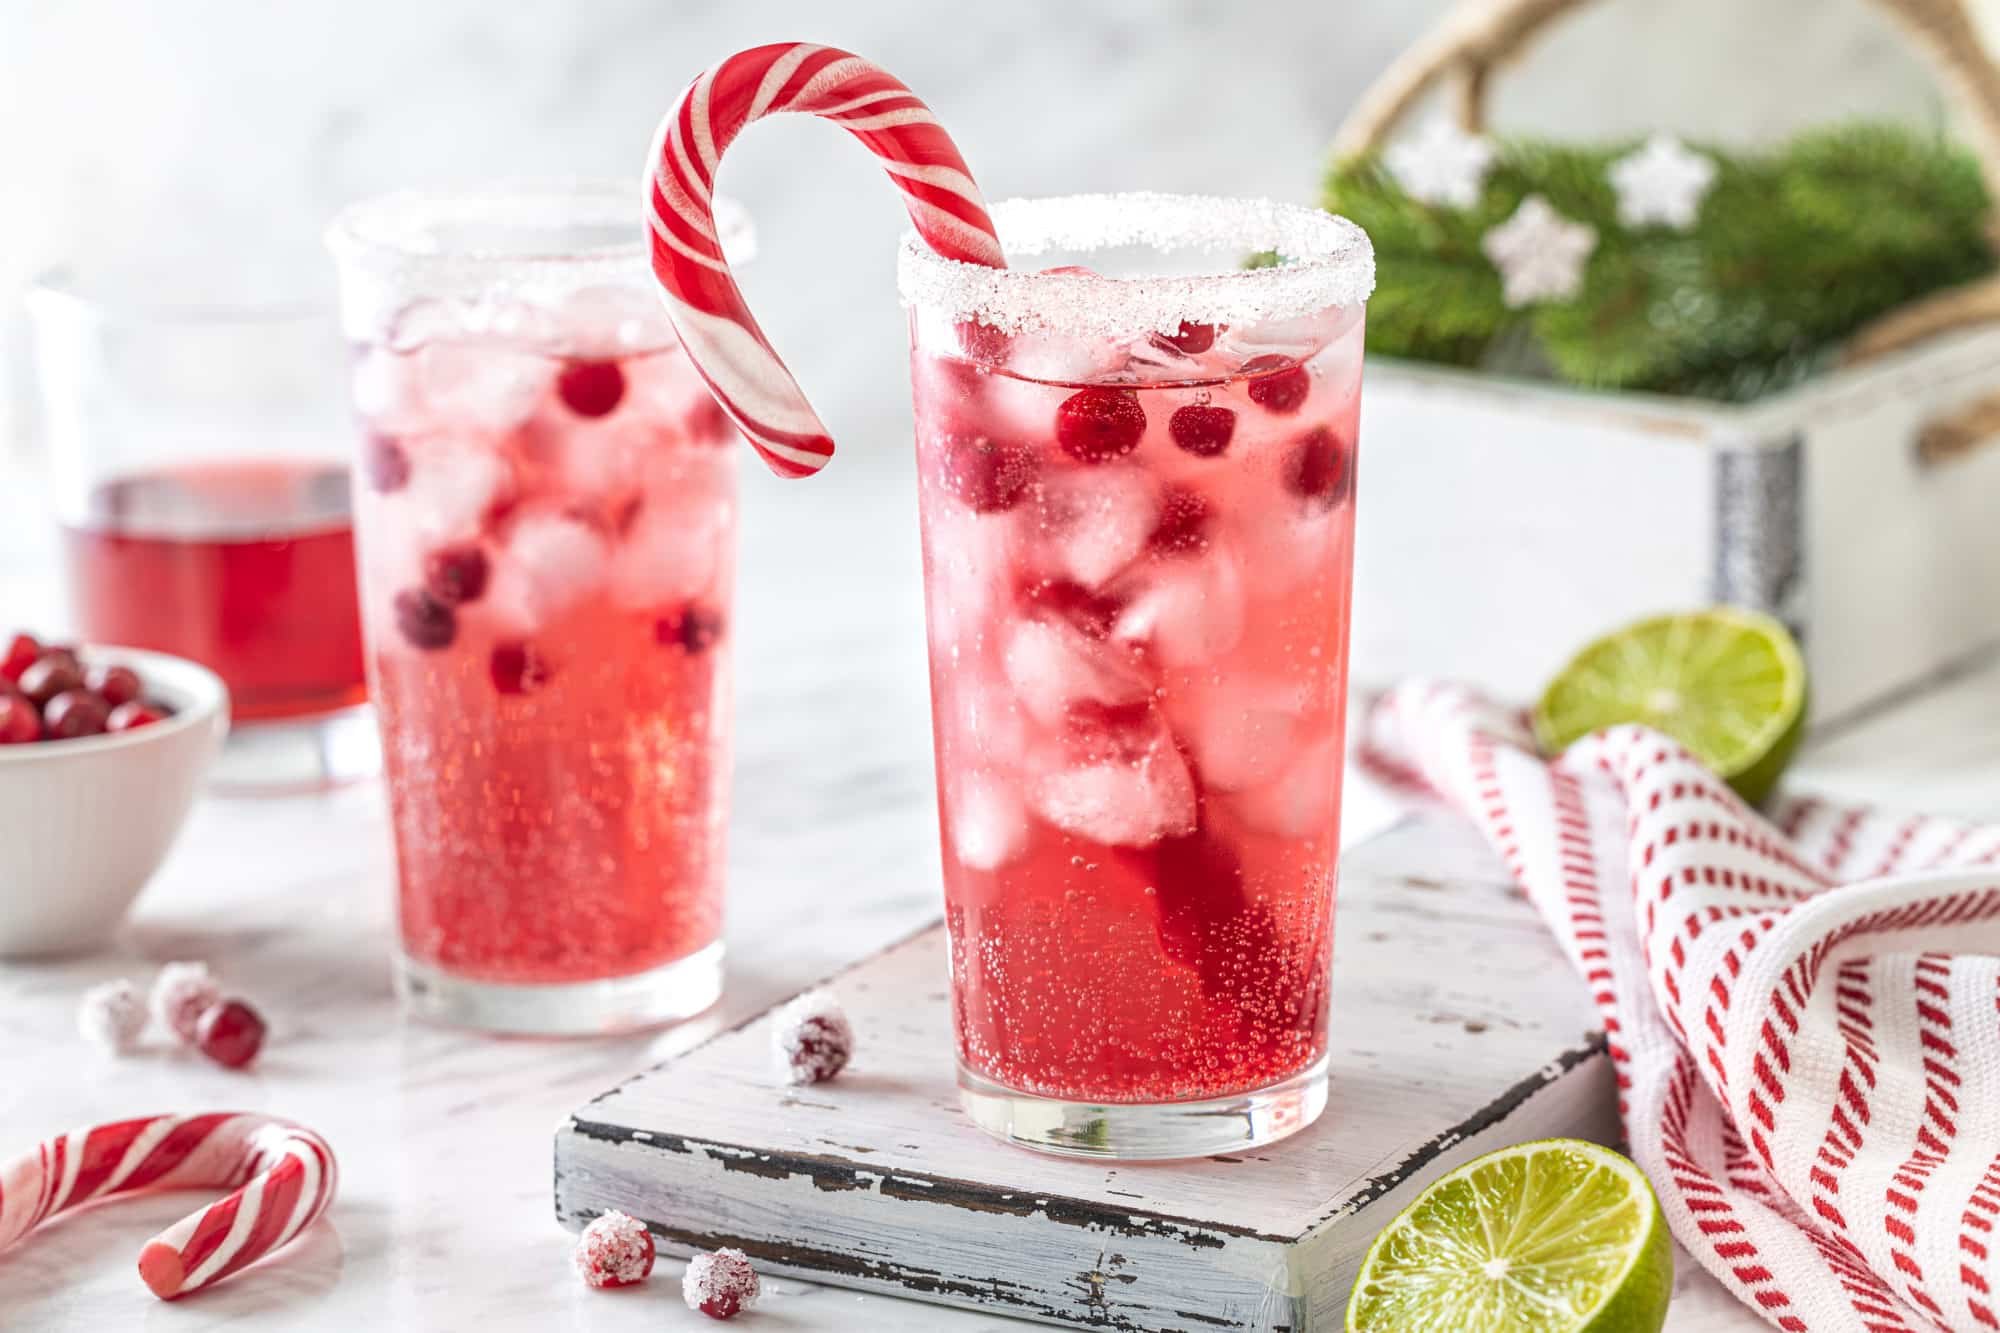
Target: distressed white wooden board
<point x="1456" y="1027"/>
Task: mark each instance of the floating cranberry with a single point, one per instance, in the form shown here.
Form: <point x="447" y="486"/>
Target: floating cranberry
<point x="987" y="475"/>
<point x="1193" y="339"/>
<point x="1183" y="524"/>
<point x="132" y="715"/>
<point x="591" y="388"/>
<point x="114" y="684"/>
<point x="19" y="722"/>
<point x="425" y="621"/>
<point x="456" y="575"/>
<point x="230" y="1033"/>
<point x="1277" y="383"/>
<point x="21" y="654"/>
<point x="1202" y="431"/>
<point x="707" y="423"/>
<point x="1098" y="425"/>
<point x="385" y="463"/>
<point x="54" y="672"/>
<point x="720" y="1285"/>
<point x="74" y="714"/>
<point x="517" y="668"/>
<point x="1316" y="468"/>
<point x="695" y="627"/>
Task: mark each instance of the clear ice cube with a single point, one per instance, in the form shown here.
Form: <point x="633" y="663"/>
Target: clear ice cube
<point x="989" y="825"/>
<point x="1094" y="521"/>
<point x="1052" y="665"/>
<point x="1121" y="800"/>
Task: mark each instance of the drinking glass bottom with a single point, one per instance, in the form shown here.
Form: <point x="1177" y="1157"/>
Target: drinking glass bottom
<point x="304" y="754"/>
<point x="1146" y="1131"/>
<point x="680" y="989"/>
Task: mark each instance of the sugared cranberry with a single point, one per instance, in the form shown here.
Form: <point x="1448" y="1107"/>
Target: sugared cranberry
<point x="1183" y="524"/>
<point x="1202" y="431"/>
<point x="1091" y="612"/>
<point x="1277" y="383"/>
<point x="132" y="715"/>
<point x="720" y="1285"/>
<point x="982" y="342"/>
<point x="811" y="1039"/>
<point x="114" y="684"/>
<point x="230" y="1033"/>
<point x="456" y="575"/>
<point x="987" y="475"/>
<point x="54" y="672"/>
<point x="181" y="994"/>
<point x="21" y="654"/>
<point x="1316" y="468"/>
<point x="19" y="722"/>
<point x="517" y="668"/>
<point x="1194" y="339"/>
<point x="385" y="463"/>
<point x="709" y="424"/>
<point x="74" y="714"/>
<point x="1098" y="425"/>
<point x="695" y="627"/>
<point x="425" y="621"/>
<point x="615" y="1250"/>
<point x="591" y="388"/>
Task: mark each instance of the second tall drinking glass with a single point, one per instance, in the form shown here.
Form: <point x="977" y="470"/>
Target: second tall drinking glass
<point x="1138" y="518"/>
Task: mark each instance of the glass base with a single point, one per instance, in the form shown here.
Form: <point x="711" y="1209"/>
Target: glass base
<point x="1146" y="1131"/>
<point x="298" y="755"/>
<point x="681" y="989"/>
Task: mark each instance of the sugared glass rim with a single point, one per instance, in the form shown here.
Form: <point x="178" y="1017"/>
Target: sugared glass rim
<point x="1325" y="261"/>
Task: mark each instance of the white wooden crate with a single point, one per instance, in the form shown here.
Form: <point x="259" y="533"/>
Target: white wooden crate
<point x="1504" y="524"/>
<point x="1457" y="1027"/>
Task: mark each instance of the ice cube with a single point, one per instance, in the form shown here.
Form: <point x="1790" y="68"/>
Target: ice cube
<point x="1122" y="799"/>
<point x="1303" y="800"/>
<point x="1189" y="608"/>
<point x="1289" y="548"/>
<point x="664" y="389"/>
<point x="549" y="563"/>
<point x="981" y="723"/>
<point x="613" y="321"/>
<point x="1094" y="521"/>
<point x="668" y="555"/>
<point x="1052" y="665"/>
<point x="454" y="482"/>
<point x="593" y="460"/>
<point x="489" y="385"/>
<point x="989" y="825"/>
<point x="1056" y="358"/>
<point x="966" y="570"/>
<point x="385" y="391"/>
<point x="1243" y="732"/>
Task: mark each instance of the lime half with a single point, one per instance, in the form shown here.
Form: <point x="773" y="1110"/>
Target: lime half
<point x="1559" y="1236"/>
<point x="1730" y="685"/>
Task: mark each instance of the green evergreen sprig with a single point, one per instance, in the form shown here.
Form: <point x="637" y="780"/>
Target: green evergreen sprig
<point x="1794" y="250"/>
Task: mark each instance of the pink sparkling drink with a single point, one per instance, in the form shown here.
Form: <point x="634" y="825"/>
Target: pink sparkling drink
<point x="546" y="514"/>
<point x="1138" y="523"/>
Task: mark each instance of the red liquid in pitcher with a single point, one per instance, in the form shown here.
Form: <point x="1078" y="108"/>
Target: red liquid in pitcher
<point x="247" y="567"/>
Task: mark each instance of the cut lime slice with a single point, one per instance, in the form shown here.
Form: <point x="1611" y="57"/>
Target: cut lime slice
<point x="1558" y="1236"/>
<point x="1730" y="685"/>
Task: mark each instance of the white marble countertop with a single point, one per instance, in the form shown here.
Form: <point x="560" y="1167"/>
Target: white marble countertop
<point x="444" y="1219"/>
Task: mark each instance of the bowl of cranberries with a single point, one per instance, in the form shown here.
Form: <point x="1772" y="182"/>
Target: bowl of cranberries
<point x="101" y="753"/>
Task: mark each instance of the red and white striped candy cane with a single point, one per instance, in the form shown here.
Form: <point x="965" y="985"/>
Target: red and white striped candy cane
<point x="715" y="326"/>
<point x="285" y="1176"/>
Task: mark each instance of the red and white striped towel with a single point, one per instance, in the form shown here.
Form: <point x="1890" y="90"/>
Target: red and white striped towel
<point x="1804" y="1011"/>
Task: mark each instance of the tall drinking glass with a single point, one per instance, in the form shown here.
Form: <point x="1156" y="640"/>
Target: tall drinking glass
<point x="546" y="512"/>
<point x="1137" y="491"/>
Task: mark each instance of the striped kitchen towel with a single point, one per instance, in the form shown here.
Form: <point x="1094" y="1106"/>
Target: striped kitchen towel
<point x="1803" y="1010"/>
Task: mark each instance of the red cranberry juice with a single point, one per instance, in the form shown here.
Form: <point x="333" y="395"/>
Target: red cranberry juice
<point x="247" y="567"/>
<point x="1138" y="598"/>
<point x="546" y="555"/>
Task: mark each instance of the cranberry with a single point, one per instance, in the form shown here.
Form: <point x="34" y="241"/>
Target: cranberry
<point x="615" y="1250"/>
<point x="695" y="627"/>
<point x="132" y="715"/>
<point x="720" y="1285"/>
<point x="1090" y="612"/>
<point x="1316" y="468"/>
<point x="982" y="342"/>
<point x="1098" y="425"/>
<point x="707" y="423"/>
<point x="230" y="1033"/>
<point x="425" y="621"/>
<point x="21" y="654"/>
<point x="812" y="1039"/>
<point x="1193" y="339"/>
<point x="456" y="575"/>
<point x="1202" y="431"/>
<point x="1183" y="524"/>
<point x="19" y="722"/>
<point x="1278" y="383"/>
<point x="987" y="475"/>
<point x="517" y="668"/>
<point x="114" y="684"/>
<point x="385" y="463"/>
<point x="591" y="388"/>
<point x="74" y="714"/>
<point x="54" y="672"/>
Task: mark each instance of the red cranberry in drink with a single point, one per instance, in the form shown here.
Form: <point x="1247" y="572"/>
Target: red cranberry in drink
<point x="114" y="684"/>
<point x="132" y="715"/>
<point x="694" y="627"/>
<point x="456" y="575"/>
<point x="1193" y="339"/>
<point x="21" y="654"/>
<point x="1098" y="425"/>
<point x="74" y="714"/>
<point x="1316" y="468"/>
<point x="1202" y="431"/>
<point x="1277" y="383"/>
<point x="591" y="388"/>
<point x="517" y="668"/>
<point x="1183" y="525"/>
<point x="987" y="475"/>
<point x="385" y="464"/>
<point x="230" y="1033"/>
<point x="19" y="722"/>
<point x="425" y="621"/>
<point x="54" y="672"/>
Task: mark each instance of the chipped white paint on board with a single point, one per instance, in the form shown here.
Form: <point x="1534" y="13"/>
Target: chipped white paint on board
<point x="1456" y="1027"/>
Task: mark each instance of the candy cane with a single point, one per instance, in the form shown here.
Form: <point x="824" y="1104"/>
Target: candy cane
<point x="286" y="1175"/>
<point x="715" y="326"/>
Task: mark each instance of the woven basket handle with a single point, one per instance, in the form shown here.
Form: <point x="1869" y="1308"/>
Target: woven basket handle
<point x="1473" y="40"/>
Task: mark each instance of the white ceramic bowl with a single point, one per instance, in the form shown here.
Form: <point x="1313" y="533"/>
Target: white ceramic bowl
<point x="84" y="823"/>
